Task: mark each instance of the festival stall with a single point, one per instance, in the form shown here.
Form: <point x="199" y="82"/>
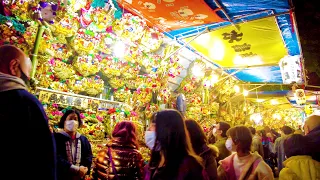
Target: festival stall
<point x="213" y="60"/>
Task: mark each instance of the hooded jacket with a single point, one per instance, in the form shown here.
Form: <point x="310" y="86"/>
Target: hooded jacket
<point x="29" y="145"/>
<point x="300" y="168"/>
<point x="255" y="168"/>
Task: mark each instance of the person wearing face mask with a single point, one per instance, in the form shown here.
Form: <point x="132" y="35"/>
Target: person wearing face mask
<point x="23" y="114"/>
<point x="150" y="134"/>
<point x="173" y="157"/>
<point x="211" y="135"/>
<point x="221" y="137"/>
<point x="73" y="149"/>
<point x="242" y="165"/>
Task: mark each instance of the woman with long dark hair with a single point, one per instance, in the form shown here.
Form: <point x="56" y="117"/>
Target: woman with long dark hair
<point x="200" y="146"/>
<point x="172" y="157"/>
<point x="120" y="159"/>
<point x="73" y="149"/>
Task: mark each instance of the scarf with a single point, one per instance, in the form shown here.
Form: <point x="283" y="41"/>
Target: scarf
<point x="75" y="161"/>
<point x="8" y="82"/>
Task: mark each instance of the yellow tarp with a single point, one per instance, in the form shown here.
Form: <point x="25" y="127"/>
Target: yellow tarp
<point x="253" y="43"/>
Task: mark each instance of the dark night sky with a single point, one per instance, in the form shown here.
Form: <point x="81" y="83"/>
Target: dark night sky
<point x="308" y="20"/>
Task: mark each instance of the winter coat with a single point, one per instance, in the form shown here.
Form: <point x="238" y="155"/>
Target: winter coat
<point x="127" y="162"/>
<point x="223" y="151"/>
<point x="300" y="168"/>
<point x="190" y="169"/>
<point x="209" y="155"/>
<point x="257" y="145"/>
<point x="28" y="147"/>
<point x="64" y="170"/>
<point x="313" y="139"/>
<point x="255" y="168"/>
<point x="278" y="147"/>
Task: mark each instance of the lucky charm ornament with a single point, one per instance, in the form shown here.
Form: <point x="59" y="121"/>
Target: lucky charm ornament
<point x="47" y="11"/>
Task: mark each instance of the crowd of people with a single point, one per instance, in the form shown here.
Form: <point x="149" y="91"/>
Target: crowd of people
<point x="180" y="149"/>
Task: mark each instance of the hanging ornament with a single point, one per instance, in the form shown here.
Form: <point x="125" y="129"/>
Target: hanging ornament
<point x="291" y="69"/>
<point x="47" y="11"/>
<point x="300" y="96"/>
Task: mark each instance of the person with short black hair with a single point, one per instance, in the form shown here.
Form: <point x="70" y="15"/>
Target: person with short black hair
<point x="299" y="164"/>
<point x="221" y="138"/>
<point x="73" y="149"/>
<point x="278" y="145"/>
<point x="243" y="164"/>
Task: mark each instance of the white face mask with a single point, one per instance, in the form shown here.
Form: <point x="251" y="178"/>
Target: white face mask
<point x="229" y="144"/>
<point x="71" y="125"/>
<point x="150" y="139"/>
<point x="214" y="131"/>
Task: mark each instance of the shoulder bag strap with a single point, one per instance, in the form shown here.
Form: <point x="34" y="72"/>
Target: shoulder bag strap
<point x="112" y="164"/>
<point x="253" y="165"/>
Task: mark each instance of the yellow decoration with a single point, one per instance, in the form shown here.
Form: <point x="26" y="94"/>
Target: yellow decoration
<point x="93" y="85"/>
<point x="67" y="27"/>
<point x="151" y="40"/>
<point x="61" y="69"/>
<point x="122" y="95"/>
<point x="44" y="76"/>
<point x="59" y="86"/>
<point x="130" y="27"/>
<point x="75" y="83"/>
<point x="253" y="43"/>
<point x="87" y="65"/>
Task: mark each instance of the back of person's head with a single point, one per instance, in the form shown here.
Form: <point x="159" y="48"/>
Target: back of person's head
<point x="70" y="113"/>
<point x="295" y="145"/>
<point x="242" y="137"/>
<point x="224" y="127"/>
<point x="263" y="133"/>
<point x="125" y="133"/>
<point x="252" y="130"/>
<point x="172" y="139"/>
<point x="197" y="136"/>
<point x="13" y="61"/>
<point x="311" y="123"/>
<point x="286" y="130"/>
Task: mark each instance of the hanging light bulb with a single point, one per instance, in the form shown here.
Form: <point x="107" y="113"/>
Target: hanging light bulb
<point x="245" y="92"/>
<point x="197" y="71"/>
<point x="236" y="89"/>
<point x="214" y="78"/>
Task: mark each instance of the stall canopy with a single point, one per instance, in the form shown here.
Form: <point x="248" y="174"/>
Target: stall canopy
<point x="247" y="39"/>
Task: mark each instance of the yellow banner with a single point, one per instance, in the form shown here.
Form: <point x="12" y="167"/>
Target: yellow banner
<point x="253" y="43"/>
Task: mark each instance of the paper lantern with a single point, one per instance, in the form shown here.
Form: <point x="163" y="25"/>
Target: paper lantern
<point x="290" y="69"/>
<point x="300" y="96"/>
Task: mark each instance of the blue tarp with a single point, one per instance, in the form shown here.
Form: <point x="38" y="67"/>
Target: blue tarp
<point x="241" y="11"/>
